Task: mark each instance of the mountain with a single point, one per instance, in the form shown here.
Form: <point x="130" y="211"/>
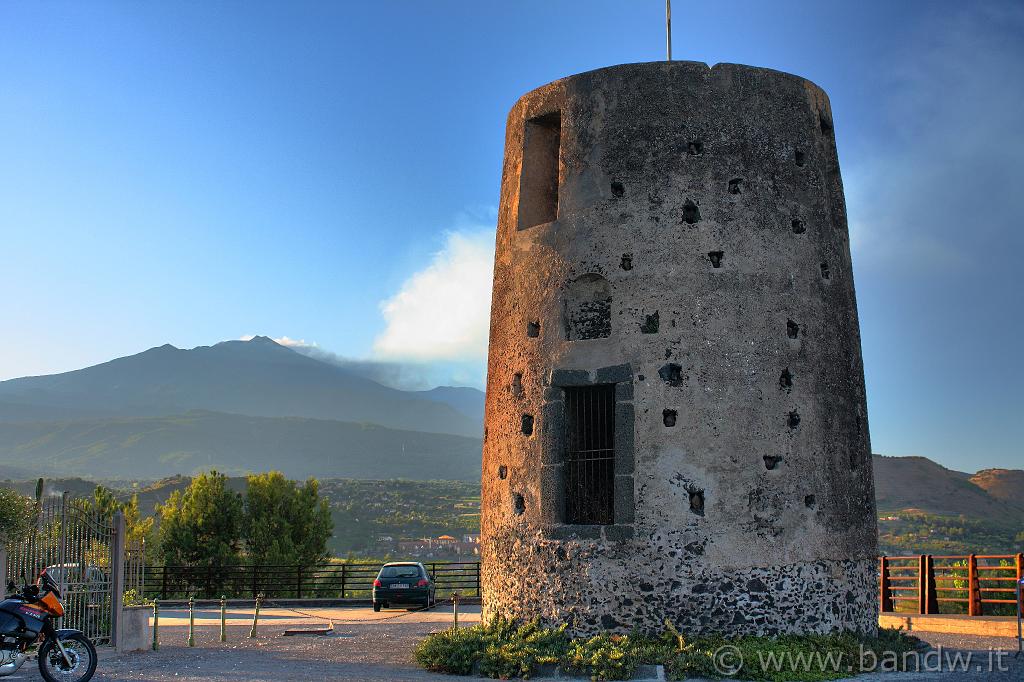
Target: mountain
<point x="919" y="483"/>
<point x="468" y="401"/>
<point x="1006" y="485"/>
<point x="155" y="447"/>
<point x="257" y="378"/>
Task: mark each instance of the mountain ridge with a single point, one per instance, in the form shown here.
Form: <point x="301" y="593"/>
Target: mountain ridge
<point x="915" y="482"/>
<point x="140" y="448"/>
<point x="258" y="377"/>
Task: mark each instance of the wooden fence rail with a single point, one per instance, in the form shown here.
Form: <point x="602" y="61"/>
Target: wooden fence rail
<point x="964" y="583"/>
<point x="325" y="581"/>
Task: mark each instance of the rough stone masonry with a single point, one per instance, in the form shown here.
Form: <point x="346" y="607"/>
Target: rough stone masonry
<point x="676" y="421"/>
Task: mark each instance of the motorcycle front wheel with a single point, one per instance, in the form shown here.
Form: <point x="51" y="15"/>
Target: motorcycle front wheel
<point x="81" y="652"/>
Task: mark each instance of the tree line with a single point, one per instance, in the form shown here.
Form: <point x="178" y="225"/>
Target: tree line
<point x="276" y="521"/>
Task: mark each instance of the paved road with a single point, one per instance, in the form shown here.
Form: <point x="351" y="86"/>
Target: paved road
<point x="373" y="647"/>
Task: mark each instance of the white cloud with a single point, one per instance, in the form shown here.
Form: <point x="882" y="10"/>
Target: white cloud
<point x="442" y="312"/>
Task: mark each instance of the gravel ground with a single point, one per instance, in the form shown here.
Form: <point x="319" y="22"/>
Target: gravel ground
<point x="377" y="647"/>
<point x="366" y="646"/>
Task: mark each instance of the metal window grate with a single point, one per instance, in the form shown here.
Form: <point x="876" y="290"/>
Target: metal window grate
<point x="590" y="449"/>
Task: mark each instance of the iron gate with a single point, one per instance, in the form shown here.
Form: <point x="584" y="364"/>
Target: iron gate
<point x="84" y="551"/>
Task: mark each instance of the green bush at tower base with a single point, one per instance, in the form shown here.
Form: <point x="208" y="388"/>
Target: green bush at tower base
<point x="504" y="649"/>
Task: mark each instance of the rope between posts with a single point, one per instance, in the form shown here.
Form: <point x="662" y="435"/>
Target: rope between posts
<point x="290" y="609"/>
<point x="375" y="620"/>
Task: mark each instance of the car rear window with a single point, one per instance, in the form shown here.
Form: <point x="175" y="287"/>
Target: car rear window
<point x="400" y="572"/>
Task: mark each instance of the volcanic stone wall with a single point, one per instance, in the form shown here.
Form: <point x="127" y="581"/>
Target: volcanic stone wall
<point x="679" y="232"/>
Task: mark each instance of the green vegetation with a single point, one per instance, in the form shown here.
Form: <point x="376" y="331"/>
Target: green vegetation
<point x="276" y="521"/>
<point x="202" y="525"/>
<point x="915" y="532"/>
<point x="285" y="523"/>
<point x="105" y="502"/>
<point x="16" y="514"/>
<point x="154" y="447"/>
<point x="366" y="510"/>
<point x="503" y="649"/>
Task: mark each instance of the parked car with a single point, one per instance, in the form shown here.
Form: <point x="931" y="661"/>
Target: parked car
<point x="90" y="578"/>
<point x="403" y="582"/>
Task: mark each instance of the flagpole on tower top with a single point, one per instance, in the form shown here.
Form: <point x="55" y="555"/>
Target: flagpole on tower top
<point x="668" y="27"/>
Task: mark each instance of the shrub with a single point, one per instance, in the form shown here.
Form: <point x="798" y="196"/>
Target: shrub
<point x="453" y="651"/>
<point x="504" y="649"/>
<point x="132" y="597"/>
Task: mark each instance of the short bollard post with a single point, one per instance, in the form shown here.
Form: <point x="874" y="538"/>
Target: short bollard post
<point x="223" y="619"/>
<point x="156" y="625"/>
<point x="191" y="621"/>
<point x="256" y="615"/>
<point x="455" y="611"/>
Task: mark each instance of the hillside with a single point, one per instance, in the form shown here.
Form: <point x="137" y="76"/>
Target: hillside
<point x="920" y="483"/>
<point x="257" y="378"/>
<point x="365" y="510"/>
<point x="1006" y="485"/>
<point x="155" y="447"/>
<point x="924" y="507"/>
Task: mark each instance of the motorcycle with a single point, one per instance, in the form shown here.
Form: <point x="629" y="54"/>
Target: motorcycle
<point x="26" y="617"/>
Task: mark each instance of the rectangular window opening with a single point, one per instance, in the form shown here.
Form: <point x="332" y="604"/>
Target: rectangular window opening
<point x="538" y="180"/>
<point x="590" y="454"/>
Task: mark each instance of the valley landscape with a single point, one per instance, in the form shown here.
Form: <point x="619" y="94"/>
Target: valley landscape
<point x="392" y="464"/>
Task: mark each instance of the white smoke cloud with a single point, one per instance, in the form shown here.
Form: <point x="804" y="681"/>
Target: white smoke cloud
<point x="283" y="341"/>
<point x="442" y="312"/>
<point x="937" y="184"/>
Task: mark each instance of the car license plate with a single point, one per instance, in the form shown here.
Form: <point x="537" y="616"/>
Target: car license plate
<point x="400" y="586"/>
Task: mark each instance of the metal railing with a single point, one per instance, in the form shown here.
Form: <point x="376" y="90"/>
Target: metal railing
<point x="348" y="580"/>
<point x="965" y="584"/>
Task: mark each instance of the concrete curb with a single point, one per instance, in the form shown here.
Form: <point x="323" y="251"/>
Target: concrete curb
<point x="986" y="626"/>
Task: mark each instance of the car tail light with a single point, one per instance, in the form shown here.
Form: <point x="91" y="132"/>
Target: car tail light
<point x="377" y="583"/>
<point x="422" y="583"/>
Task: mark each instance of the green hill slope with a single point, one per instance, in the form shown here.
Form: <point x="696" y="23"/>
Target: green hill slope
<point x="155" y="447"/>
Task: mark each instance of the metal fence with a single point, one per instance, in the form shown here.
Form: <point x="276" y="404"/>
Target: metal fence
<point x="971" y="584"/>
<point x="348" y="580"/>
<point x="83" y="550"/>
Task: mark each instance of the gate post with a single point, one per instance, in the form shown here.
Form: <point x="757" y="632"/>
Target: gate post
<point x="929" y="596"/>
<point x="884" y="594"/>
<point x="973" y="587"/>
<point x="117" y="546"/>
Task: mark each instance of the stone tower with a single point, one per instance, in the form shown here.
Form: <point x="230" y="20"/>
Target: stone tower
<point x="676" y="423"/>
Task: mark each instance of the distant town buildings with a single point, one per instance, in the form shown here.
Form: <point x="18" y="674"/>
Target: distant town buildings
<point x="441" y="547"/>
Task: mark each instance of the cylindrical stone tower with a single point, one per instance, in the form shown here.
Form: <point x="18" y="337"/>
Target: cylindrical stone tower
<point x="676" y="423"/>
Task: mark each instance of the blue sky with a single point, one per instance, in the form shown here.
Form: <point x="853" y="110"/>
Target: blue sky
<point x="191" y="172"/>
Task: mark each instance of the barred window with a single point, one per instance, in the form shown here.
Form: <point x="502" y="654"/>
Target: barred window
<point x="590" y="454"/>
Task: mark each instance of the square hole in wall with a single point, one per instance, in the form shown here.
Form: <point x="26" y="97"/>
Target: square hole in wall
<point x="538" y="179"/>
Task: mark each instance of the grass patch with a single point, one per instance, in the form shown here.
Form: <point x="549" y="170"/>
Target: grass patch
<point x="504" y="649"/>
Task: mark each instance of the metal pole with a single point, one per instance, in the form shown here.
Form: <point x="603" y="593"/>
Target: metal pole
<point x="1020" y="639"/>
<point x="156" y="624"/>
<point x="191" y="621"/>
<point x="668" y="27"/>
<point x="223" y="619"/>
<point x="455" y="611"/>
<point x="119" y="532"/>
<point x="256" y="615"/>
<point x="62" y="551"/>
